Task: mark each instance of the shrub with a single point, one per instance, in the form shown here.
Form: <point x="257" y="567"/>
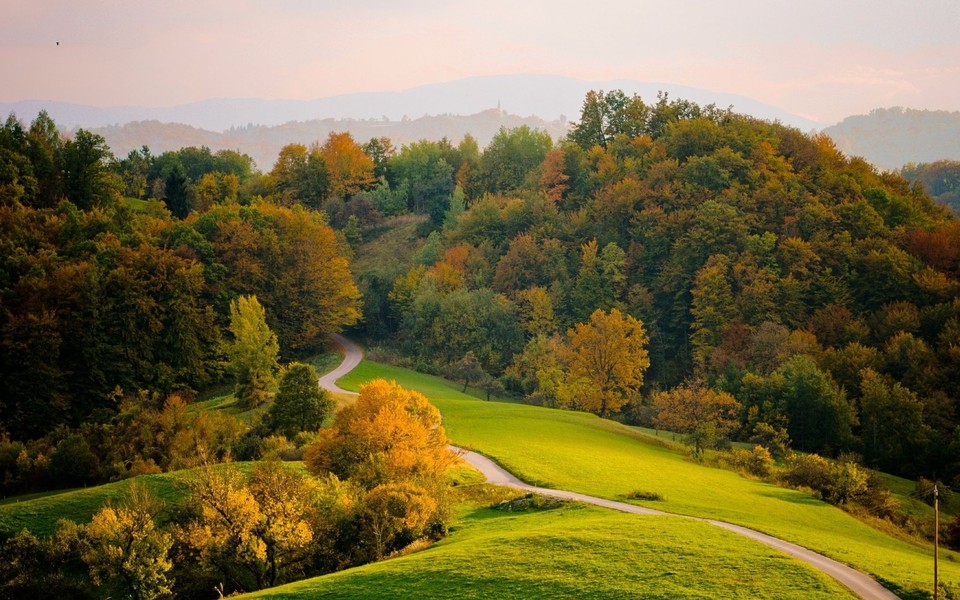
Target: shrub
<point x="807" y="470"/>
<point x="645" y="495"/>
<point x="394" y="515"/>
<point x="73" y="463"/>
<point x="757" y="461"/>
<point x="847" y="482"/>
<point x="924" y="491"/>
<point x="774" y="439"/>
<point x="952" y="534"/>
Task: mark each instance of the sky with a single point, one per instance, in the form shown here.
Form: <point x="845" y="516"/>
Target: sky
<point x="823" y="60"/>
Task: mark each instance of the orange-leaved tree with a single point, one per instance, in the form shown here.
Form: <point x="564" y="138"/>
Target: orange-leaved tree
<point x="703" y="414"/>
<point x="389" y="435"/>
<point x="607" y="357"/>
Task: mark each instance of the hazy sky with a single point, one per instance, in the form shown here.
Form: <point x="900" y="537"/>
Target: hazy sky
<point x="820" y="59"/>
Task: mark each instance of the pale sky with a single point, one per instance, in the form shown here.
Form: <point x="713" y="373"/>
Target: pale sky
<point x="820" y="59"/>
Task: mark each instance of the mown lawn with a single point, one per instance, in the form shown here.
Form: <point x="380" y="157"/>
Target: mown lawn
<point x="576" y="551"/>
<point x="581" y="452"/>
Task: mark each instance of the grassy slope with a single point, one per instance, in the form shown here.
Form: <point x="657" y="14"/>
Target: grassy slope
<point x="576" y="552"/>
<point x="40" y="512"/>
<point x="581" y="452"/>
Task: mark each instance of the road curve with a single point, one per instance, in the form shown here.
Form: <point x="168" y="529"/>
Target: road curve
<point x="859" y="583"/>
<point x="352" y="355"/>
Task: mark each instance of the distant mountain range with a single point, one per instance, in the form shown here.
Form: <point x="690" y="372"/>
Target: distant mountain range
<point x="892" y="137"/>
<point x="889" y="138"/>
<point x="263" y="143"/>
<point x="548" y="97"/>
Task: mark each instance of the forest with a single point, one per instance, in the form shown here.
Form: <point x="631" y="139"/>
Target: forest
<point x="816" y="297"/>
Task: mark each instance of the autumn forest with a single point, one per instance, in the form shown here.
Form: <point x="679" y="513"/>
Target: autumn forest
<point x="666" y="265"/>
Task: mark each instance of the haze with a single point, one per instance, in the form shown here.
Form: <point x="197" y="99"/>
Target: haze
<point x="821" y="60"/>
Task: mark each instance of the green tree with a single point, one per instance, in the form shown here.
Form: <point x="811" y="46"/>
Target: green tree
<point x="893" y="431"/>
<point x="820" y="417"/>
<point x="468" y="369"/>
<point x="253" y="351"/>
<point x="177" y="190"/>
<point x="604" y="116"/>
<point x="511" y="155"/>
<point x="87" y="181"/>
<point x="300" y="404"/>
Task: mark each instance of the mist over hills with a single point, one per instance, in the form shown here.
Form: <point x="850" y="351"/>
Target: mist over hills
<point x="548" y="97"/>
<point x="263" y="143"/>
<point x="892" y="137"/>
<point x="888" y="138"/>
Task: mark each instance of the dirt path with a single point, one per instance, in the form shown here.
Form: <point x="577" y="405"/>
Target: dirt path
<point x="859" y="583"/>
<point x="352" y="355"/>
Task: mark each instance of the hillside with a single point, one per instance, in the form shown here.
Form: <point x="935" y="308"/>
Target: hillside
<point x="263" y="143"/>
<point x="548" y="97"/>
<point x="892" y="137"/>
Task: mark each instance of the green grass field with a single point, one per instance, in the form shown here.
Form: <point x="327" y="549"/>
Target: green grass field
<point x="576" y="551"/>
<point x="40" y="512"/>
<point x="578" y="451"/>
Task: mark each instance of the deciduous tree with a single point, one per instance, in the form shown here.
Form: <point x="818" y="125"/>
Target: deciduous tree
<point x="253" y="350"/>
<point x="609" y="356"/>
<point x="703" y="414"/>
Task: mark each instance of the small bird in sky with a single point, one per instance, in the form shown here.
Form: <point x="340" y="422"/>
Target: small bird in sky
<point x="58" y="43"/>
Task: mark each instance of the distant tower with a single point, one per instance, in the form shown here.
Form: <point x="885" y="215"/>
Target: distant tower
<point x="499" y="111"/>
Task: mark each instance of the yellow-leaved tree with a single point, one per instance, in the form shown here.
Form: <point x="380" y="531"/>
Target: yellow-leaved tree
<point x="388" y="435"/>
<point x="255" y="532"/>
<point x="607" y="358"/>
<point x="126" y="551"/>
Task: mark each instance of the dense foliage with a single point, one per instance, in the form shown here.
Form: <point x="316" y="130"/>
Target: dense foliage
<point x="941" y="179"/>
<point x="821" y="294"/>
<point x="103" y="295"/>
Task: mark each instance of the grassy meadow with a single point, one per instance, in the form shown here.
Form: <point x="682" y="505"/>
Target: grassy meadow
<point x="40" y="512"/>
<point x="581" y="452"/>
<point x="575" y="551"/>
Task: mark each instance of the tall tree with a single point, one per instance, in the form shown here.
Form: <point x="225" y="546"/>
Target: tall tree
<point x="253" y="350"/>
<point x="349" y="168"/>
<point x="87" y="181"/>
<point x="511" y="155"/>
<point x="608" y="358"/>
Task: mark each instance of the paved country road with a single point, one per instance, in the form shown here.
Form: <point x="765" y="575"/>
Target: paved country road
<point x="859" y="583"/>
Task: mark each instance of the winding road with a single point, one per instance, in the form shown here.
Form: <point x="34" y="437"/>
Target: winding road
<point x="859" y="583"/>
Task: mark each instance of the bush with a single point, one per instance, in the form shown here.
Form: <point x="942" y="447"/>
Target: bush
<point x="394" y="515"/>
<point x="952" y="534"/>
<point x="807" y="470"/>
<point x="924" y="491"/>
<point x="774" y="439"/>
<point x="73" y="463"/>
<point x="645" y="495"/>
<point x="757" y="461"/>
<point x="837" y="483"/>
<point x="847" y="482"/>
